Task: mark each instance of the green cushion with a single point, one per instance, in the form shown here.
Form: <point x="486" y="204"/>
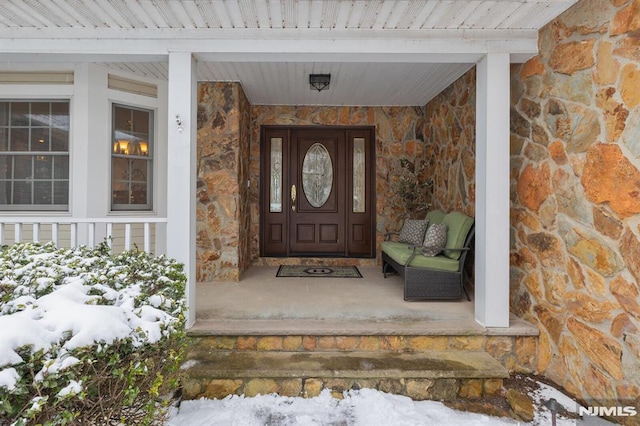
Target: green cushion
<point x="435" y="216"/>
<point x="458" y="227"/>
<point x="401" y="252"/>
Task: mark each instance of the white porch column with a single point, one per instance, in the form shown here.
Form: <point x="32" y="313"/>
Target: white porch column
<point x="91" y="140"/>
<point x="492" y="191"/>
<point x="181" y="170"/>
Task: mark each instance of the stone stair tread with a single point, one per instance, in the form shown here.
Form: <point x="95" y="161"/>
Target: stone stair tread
<point x="309" y="327"/>
<point x="352" y="327"/>
<point x="341" y="364"/>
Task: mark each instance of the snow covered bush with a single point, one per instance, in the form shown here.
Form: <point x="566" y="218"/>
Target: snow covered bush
<point x="87" y="337"/>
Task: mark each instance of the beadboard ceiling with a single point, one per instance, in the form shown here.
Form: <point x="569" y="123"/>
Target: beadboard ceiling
<point x="378" y="52"/>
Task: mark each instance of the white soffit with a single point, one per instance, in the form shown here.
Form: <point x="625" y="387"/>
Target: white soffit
<point x="275" y="14"/>
<point x="378" y="52"/>
<point x="351" y="83"/>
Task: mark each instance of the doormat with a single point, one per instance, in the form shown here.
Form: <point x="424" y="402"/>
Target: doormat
<point x="303" y="271"/>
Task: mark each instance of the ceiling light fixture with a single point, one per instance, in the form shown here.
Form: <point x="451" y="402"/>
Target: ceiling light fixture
<point x="319" y="82"/>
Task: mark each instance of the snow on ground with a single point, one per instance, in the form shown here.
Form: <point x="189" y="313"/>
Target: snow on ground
<point x="364" y="407"/>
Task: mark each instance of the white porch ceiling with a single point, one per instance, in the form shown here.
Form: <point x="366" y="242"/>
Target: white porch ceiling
<point x="378" y="52"/>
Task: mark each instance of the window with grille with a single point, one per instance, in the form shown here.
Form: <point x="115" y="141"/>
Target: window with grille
<point x="131" y="158"/>
<point x="34" y="154"/>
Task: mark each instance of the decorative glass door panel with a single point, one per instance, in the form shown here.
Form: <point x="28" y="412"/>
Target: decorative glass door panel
<point x="359" y="176"/>
<point x="275" y="180"/>
<point x="317" y="175"/>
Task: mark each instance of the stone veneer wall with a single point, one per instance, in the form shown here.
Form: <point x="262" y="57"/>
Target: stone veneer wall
<point x="575" y="216"/>
<point x="450" y="139"/>
<point x="399" y="136"/>
<point x="450" y="153"/>
<point x="244" y="177"/>
<point x="222" y="209"/>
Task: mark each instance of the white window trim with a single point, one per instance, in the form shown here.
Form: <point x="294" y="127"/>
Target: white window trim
<point x="134" y="101"/>
<point x="45" y="92"/>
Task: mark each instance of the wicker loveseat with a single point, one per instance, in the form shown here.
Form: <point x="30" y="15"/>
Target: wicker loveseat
<point x="432" y="277"/>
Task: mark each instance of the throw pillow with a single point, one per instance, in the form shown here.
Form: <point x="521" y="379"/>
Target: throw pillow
<point x="412" y="231"/>
<point x="435" y="240"/>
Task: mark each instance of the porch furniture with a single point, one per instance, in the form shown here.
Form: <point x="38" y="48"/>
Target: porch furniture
<point x="432" y="277"/>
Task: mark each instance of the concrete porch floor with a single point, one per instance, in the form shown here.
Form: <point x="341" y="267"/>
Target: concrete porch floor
<point x="262" y="304"/>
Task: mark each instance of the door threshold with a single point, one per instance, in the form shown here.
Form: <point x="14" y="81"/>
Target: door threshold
<point x="316" y="261"/>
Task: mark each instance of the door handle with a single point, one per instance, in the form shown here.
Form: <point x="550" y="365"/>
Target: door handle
<point x="293" y="198"/>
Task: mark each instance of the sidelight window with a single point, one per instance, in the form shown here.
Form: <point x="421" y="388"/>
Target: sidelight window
<point x="275" y="191"/>
<point x="359" y="176"/>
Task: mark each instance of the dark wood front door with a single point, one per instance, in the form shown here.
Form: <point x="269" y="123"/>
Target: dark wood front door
<point x="317" y="176"/>
<point x="317" y="197"/>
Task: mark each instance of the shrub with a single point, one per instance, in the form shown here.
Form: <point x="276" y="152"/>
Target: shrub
<point x="413" y="189"/>
<point x="87" y="337"/>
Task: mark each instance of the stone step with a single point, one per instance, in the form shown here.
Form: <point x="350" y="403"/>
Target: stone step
<point x="356" y="327"/>
<point x="424" y="375"/>
<point x="516" y="353"/>
<point x="432" y="364"/>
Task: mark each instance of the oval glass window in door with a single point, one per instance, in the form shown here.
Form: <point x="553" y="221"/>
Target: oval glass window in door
<point x="317" y="175"/>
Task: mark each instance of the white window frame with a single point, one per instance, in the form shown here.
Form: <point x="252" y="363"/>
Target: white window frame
<point x="135" y="101"/>
<point x="42" y="93"/>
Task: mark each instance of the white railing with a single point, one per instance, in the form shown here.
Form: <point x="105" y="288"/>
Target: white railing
<point x="120" y="233"/>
